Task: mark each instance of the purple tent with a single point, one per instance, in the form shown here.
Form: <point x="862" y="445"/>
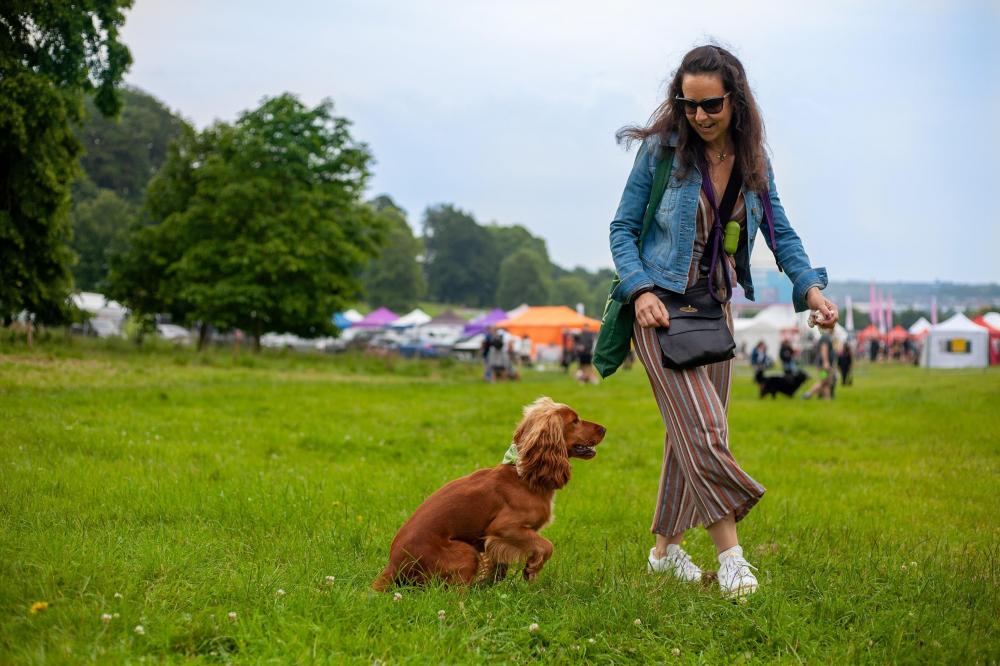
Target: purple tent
<point x="377" y="319"/>
<point x="479" y="324"/>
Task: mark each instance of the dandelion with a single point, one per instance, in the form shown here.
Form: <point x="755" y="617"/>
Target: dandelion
<point x="140" y="630"/>
<point x="118" y="595"/>
<point x="441" y="615"/>
<point x="279" y="593"/>
<point x="676" y="652"/>
<point x="106" y="617"/>
<point x="330" y="580"/>
<point x="232" y="616"/>
<point x="637" y="622"/>
<point x="533" y="627"/>
<point x="397" y="597"/>
<point x="38" y="607"/>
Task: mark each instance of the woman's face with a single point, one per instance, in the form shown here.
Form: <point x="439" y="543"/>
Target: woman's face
<point x="698" y="87"/>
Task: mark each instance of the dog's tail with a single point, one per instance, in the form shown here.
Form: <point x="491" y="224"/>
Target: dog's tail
<point x="385" y="579"/>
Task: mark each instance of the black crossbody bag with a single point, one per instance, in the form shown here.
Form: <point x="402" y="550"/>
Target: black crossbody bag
<point x="699" y="333"/>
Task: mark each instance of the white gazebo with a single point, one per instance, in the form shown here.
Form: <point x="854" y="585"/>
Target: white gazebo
<point x="415" y="317"/>
<point x="956" y="343"/>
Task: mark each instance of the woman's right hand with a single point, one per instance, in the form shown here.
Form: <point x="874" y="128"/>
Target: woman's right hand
<point x="650" y="311"/>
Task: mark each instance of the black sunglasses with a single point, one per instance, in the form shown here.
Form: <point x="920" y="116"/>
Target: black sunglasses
<point x="712" y="105"/>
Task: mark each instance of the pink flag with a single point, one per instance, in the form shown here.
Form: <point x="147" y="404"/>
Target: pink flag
<point x="871" y="303"/>
<point x="888" y="313"/>
<point x="933" y="310"/>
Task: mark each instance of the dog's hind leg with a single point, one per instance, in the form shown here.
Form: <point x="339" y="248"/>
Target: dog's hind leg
<point x="458" y="563"/>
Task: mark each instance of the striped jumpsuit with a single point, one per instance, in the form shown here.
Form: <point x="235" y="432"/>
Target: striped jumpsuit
<point x="700" y="481"/>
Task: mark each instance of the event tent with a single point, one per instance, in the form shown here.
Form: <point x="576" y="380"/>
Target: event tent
<point x="99" y="306"/>
<point x="956" y="343"/>
<point x="444" y="329"/>
<point x="377" y="319"/>
<point x="992" y="319"/>
<point x="898" y="334"/>
<point x="341" y="321"/>
<point x="771" y="325"/>
<point x="414" y="317"/>
<point x="920" y="328"/>
<point x="480" y="324"/>
<point x="544" y="325"/>
<point x="994" y="332"/>
<point x="353" y="316"/>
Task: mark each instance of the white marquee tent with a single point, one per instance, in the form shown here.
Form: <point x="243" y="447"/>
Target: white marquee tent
<point x="956" y="343"/>
<point x="416" y="317"/>
<point x="919" y="327"/>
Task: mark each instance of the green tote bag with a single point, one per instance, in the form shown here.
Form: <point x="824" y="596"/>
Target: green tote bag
<point x="615" y="337"/>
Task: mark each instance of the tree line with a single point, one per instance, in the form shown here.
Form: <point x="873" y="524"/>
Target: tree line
<point x="259" y="224"/>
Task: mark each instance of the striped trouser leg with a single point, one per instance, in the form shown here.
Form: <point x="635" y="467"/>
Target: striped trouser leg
<point x="700" y="482"/>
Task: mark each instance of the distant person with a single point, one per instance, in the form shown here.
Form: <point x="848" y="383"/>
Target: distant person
<point x="759" y="358"/>
<point x="825" y="359"/>
<point x="873" y="350"/>
<point x="496" y="355"/>
<point x="585" y="354"/>
<point x="787" y="355"/>
<point x="568" y="345"/>
<point x="485" y="352"/>
<point x="710" y="126"/>
<point x="845" y="361"/>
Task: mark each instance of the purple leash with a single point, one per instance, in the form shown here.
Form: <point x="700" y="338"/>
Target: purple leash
<point x="715" y="239"/>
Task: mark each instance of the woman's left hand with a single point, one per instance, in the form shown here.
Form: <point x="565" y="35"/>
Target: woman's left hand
<point x="827" y="309"/>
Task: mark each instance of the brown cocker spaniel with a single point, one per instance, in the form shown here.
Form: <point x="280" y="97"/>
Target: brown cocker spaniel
<point x="471" y="529"/>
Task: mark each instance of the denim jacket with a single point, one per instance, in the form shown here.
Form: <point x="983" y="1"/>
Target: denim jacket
<point x="669" y="242"/>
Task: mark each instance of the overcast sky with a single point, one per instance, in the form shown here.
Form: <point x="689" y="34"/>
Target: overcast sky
<point x="881" y="116"/>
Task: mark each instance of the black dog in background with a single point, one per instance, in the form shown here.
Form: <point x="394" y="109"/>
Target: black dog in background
<point x="787" y="383"/>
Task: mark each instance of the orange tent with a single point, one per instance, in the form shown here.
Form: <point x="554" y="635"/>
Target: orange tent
<point x="545" y="324"/>
<point x="898" y="333"/>
<point x="868" y="332"/>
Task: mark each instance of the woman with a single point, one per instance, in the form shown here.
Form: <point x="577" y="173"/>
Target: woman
<point x="711" y="123"/>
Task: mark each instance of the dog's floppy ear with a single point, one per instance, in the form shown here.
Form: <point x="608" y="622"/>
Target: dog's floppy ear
<point x="541" y="446"/>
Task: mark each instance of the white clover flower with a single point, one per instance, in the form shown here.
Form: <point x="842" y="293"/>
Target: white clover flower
<point x="330" y="580"/>
<point x="106" y="617"/>
<point x="533" y="627"/>
<point x="441" y="615"/>
<point x="637" y="622"/>
<point x="397" y="597"/>
<point x="279" y="593"/>
<point x="118" y="595"/>
<point x="232" y="616"/>
<point x="591" y="640"/>
<point x="140" y="630"/>
<point x="676" y="652"/>
<point x="903" y="567"/>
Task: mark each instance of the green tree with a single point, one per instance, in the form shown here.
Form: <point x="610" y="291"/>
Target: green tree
<point x="122" y="154"/>
<point x="461" y="260"/>
<point x="257" y="225"/>
<point x="97" y="224"/>
<point x="395" y="279"/>
<point x="508" y="240"/>
<point x="570" y="290"/>
<point x="50" y="55"/>
<point x="524" y="278"/>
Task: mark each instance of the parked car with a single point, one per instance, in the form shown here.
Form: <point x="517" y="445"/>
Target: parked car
<point x="173" y="333"/>
<point x="103" y="328"/>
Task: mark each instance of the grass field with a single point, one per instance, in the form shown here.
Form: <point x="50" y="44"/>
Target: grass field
<point x="168" y="490"/>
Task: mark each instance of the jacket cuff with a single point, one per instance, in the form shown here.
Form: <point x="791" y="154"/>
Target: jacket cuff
<point x="629" y="287"/>
<point x="813" y="277"/>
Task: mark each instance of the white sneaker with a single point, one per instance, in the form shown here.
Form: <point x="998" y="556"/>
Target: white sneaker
<point x="735" y="576"/>
<point x="676" y="562"/>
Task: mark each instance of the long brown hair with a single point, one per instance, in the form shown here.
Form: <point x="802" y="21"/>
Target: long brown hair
<point x="747" y="126"/>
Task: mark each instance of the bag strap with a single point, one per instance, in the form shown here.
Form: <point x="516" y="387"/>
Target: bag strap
<point x="660" y="176"/>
